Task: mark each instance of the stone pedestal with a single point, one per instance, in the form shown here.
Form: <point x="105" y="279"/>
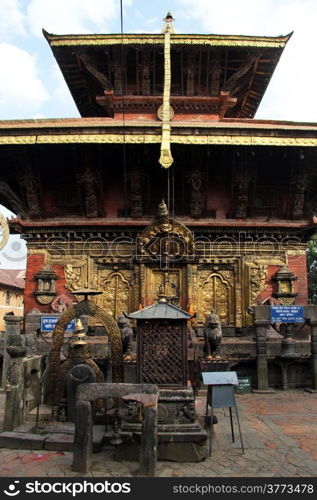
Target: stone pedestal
<point x="12" y="334"/>
<point x="180" y="437"/>
<point x="262" y="322"/>
<point x="13" y="373"/>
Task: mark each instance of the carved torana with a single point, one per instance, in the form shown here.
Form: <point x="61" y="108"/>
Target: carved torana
<point x="166" y="238"/>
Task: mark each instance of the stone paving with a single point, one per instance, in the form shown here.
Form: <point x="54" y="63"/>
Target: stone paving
<point x="279" y="432"/>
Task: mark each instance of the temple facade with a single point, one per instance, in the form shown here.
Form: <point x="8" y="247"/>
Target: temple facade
<point x="167" y="181"/>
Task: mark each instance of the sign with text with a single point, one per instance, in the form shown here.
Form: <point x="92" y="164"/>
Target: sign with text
<point x="220" y="378"/>
<point x="287" y="314"/>
<point x="48" y="324"/>
<point x="244" y="385"/>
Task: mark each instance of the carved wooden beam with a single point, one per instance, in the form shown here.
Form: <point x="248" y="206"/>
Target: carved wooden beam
<point x="90" y="65"/>
<point x="232" y="83"/>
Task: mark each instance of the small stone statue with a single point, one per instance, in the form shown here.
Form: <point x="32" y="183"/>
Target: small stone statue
<point x="126" y="336"/>
<point x="212" y="334"/>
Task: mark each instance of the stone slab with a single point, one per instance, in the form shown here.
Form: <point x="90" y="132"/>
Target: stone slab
<point x="25" y="428"/>
<point x="22" y="441"/>
<point x="59" y="441"/>
<point x="45" y="414"/>
<point x="263" y="391"/>
<point x="59" y="428"/>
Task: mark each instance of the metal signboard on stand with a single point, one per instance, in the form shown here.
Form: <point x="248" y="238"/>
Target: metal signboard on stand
<point x="221" y="395"/>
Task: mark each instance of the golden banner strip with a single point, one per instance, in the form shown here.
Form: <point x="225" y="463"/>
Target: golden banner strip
<point x="166" y="158"/>
<point x="214" y="40"/>
<point x="156" y="139"/>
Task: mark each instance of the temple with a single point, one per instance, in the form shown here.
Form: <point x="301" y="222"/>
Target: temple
<point x="167" y="185"/>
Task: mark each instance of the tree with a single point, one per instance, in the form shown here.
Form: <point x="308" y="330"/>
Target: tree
<point x="312" y="269"/>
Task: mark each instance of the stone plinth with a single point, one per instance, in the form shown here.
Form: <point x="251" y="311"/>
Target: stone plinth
<point x="180" y="437"/>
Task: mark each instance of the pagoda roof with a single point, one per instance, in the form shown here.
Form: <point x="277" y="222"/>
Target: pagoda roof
<point x="161" y="310"/>
<point x="91" y="65"/>
<point x="242" y="132"/>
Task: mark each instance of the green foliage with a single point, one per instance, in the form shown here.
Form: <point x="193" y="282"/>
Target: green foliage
<point x="312" y="270"/>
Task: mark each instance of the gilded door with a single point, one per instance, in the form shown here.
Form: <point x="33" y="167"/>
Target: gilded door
<point x="216" y="293"/>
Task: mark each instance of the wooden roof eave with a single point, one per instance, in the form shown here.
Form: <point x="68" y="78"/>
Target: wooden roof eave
<point x="176" y="39"/>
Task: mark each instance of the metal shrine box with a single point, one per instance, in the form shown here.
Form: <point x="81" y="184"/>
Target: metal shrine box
<point x="162" y="345"/>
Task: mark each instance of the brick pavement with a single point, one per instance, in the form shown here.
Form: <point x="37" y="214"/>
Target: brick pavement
<point x="279" y="432"/>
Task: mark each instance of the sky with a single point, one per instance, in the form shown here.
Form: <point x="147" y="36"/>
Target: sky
<point x="31" y="84"/>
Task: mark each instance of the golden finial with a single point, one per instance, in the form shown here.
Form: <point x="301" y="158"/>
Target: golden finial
<point x="168" y="23"/>
<point x="162" y="209"/>
<point x="79" y="337"/>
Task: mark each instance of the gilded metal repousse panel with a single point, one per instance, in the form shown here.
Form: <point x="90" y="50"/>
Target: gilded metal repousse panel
<point x="75" y="273"/>
<point x="172" y="282"/>
<point x="116" y="291"/>
<point x="215" y="291"/>
<point x="255" y="280"/>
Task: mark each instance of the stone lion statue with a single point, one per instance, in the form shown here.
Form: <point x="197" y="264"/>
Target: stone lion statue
<point x="212" y="334"/>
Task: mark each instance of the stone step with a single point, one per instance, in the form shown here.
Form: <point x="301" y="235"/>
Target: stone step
<point x="45" y="414"/>
<point x="47" y="441"/>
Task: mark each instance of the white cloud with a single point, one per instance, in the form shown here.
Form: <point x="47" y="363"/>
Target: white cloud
<point x="71" y="16"/>
<point x="61" y="98"/>
<point x="243" y="17"/>
<point x="287" y="97"/>
<point x="11" y="19"/>
<point x="21" y="90"/>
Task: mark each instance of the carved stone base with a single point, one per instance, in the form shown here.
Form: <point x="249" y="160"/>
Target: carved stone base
<point x="180" y="436"/>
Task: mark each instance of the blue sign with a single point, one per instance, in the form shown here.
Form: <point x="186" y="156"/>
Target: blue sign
<point x="48" y="324"/>
<point x="287" y="314"/>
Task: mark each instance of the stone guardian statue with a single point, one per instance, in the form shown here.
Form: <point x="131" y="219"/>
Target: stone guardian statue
<point x="212" y="334"/>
